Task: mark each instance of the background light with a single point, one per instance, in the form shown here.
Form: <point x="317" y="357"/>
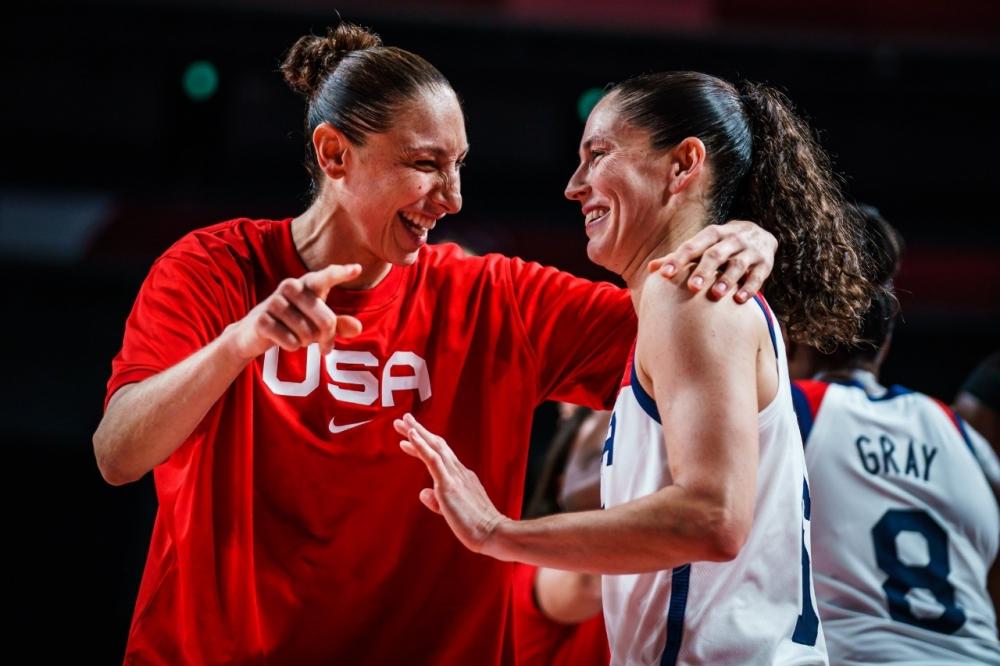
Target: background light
<point x="201" y="80"/>
<point x="588" y="100"/>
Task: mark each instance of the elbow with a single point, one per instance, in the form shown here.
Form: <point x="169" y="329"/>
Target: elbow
<point x="113" y="468"/>
<point x="725" y="539"/>
<point x="719" y="528"/>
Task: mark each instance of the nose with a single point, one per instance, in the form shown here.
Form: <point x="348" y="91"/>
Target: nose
<point x="576" y="188"/>
<point x="449" y="195"/>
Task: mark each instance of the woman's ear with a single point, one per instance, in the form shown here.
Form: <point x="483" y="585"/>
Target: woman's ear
<point x="687" y="162"/>
<point x="331" y="148"/>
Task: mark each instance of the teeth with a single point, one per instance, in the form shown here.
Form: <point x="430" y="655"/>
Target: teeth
<point x="418" y="220"/>
<point x="596" y="213"/>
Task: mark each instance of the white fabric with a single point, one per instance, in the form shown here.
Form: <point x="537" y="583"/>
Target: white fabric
<point x="739" y="612"/>
<point x="884" y="472"/>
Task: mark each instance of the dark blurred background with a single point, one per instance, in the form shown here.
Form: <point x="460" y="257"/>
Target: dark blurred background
<point x="126" y="125"/>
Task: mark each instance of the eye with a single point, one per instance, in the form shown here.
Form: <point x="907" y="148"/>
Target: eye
<point x="596" y="155"/>
<point x="425" y="165"/>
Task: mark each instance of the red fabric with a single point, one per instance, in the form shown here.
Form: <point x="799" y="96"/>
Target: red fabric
<point x="950" y="413"/>
<point x="278" y="540"/>
<point x="627" y="375"/>
<point x="544" y="642"/>
<point x="814" y="391"/>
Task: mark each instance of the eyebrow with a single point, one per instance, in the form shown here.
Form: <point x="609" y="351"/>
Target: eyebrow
<point x="437" y="151"/>
<point x="594" y="139"/>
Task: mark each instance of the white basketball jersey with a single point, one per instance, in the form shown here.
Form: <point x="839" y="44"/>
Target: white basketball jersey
<point x="905" y="526"/>
<point x="755" y="609"/>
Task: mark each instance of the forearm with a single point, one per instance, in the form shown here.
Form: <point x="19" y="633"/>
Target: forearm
<point x="147" y="421"/>
<point x="660" y="531"/>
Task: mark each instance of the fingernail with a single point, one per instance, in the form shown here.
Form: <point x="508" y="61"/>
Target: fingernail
<point x="669" y="269"/>
<point x="743" y="295"/>
<point x="697" y="281"/>
<point x="408" y="418"/>
<point x="720" y="288"/>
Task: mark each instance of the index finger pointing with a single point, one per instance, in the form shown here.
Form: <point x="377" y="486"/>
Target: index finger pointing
<point x="322" y="281"/>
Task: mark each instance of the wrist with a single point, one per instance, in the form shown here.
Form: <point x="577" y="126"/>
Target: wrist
<point x="231" y="348"/>
<point x="499" y="543"/>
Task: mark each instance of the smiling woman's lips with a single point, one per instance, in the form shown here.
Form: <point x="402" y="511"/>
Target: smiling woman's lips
<point x="597" y="220"/>
<point x="417" y="233"/>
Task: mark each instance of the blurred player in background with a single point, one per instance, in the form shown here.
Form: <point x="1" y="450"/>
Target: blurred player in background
<point x="978" y="401"/>
<point x="557" y="614"/>
<point x="905" y="525"/>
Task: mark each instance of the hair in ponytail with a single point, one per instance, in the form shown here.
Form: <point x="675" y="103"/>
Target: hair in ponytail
<point x="768" y="167"/>
<point x="353" y="82"/>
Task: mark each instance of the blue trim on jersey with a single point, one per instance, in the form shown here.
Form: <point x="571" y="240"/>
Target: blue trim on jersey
<point x="680" y="580"/>
<point x="770" y="322"/>
<point x="802" y="412"/>
<point x="965" y="435"/>
<point x="644" y="399"/>
<point x="893" y="391"/>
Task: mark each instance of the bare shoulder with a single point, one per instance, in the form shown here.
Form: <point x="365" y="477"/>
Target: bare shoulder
<point x="669" y="301"/>
<point x="675" y="322"/>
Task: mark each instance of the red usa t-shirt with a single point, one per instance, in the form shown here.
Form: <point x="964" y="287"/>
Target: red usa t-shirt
<point x="541" y="641"/>
<point x="289" y="528"/>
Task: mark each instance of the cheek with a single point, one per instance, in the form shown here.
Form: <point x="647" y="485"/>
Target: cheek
<point x="414" y="187"/>
<point x="610" y="181"/>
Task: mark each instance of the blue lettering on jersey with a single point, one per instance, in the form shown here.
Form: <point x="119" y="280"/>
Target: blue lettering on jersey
<point x="888" y="448"/>
<point x="609" y="443"/>
<point x="882" y="458"/>
<point x="928" y="458"/>
<point x="902" y="577"/>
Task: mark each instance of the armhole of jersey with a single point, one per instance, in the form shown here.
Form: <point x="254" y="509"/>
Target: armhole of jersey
<point x="770" y="321"/>
<point x="959" y="424"/>
<point x="807" y="396"/>
<point x="645" y="400"/>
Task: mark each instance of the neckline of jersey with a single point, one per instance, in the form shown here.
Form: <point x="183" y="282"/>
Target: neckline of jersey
<point x="343" y="300"/>
<point x="867" y="382"/>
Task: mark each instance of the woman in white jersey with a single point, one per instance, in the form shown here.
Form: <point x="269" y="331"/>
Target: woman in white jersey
<point x="906" y="522"/>
<point x="706" y="507"/>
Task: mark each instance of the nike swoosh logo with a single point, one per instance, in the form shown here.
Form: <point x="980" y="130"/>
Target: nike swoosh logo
<point x="334" y="428"/>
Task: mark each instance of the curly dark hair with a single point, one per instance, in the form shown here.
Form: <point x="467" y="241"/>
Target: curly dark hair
<point x="768" y="167"/>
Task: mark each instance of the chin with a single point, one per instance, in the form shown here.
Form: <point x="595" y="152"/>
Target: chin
<point x="597" y="255"/>
<point x="405" y="259"/>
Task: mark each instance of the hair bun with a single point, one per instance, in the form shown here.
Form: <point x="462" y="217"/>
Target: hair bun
<point x="312" y="57"/>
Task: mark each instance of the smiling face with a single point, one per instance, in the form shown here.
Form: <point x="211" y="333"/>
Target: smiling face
<point x="401" y="182"/>
<point x="621" y="184"/>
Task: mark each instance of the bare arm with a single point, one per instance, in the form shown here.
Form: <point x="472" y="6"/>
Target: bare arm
<point x="147" y="421"/>
<point x="700" y="359"/>
<point x="567" y="597"/>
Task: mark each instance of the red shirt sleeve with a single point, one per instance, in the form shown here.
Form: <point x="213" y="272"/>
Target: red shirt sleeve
<point x="186" y="301"/>
<point x="580" y="332"/>
<point x="539" y="641"/>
